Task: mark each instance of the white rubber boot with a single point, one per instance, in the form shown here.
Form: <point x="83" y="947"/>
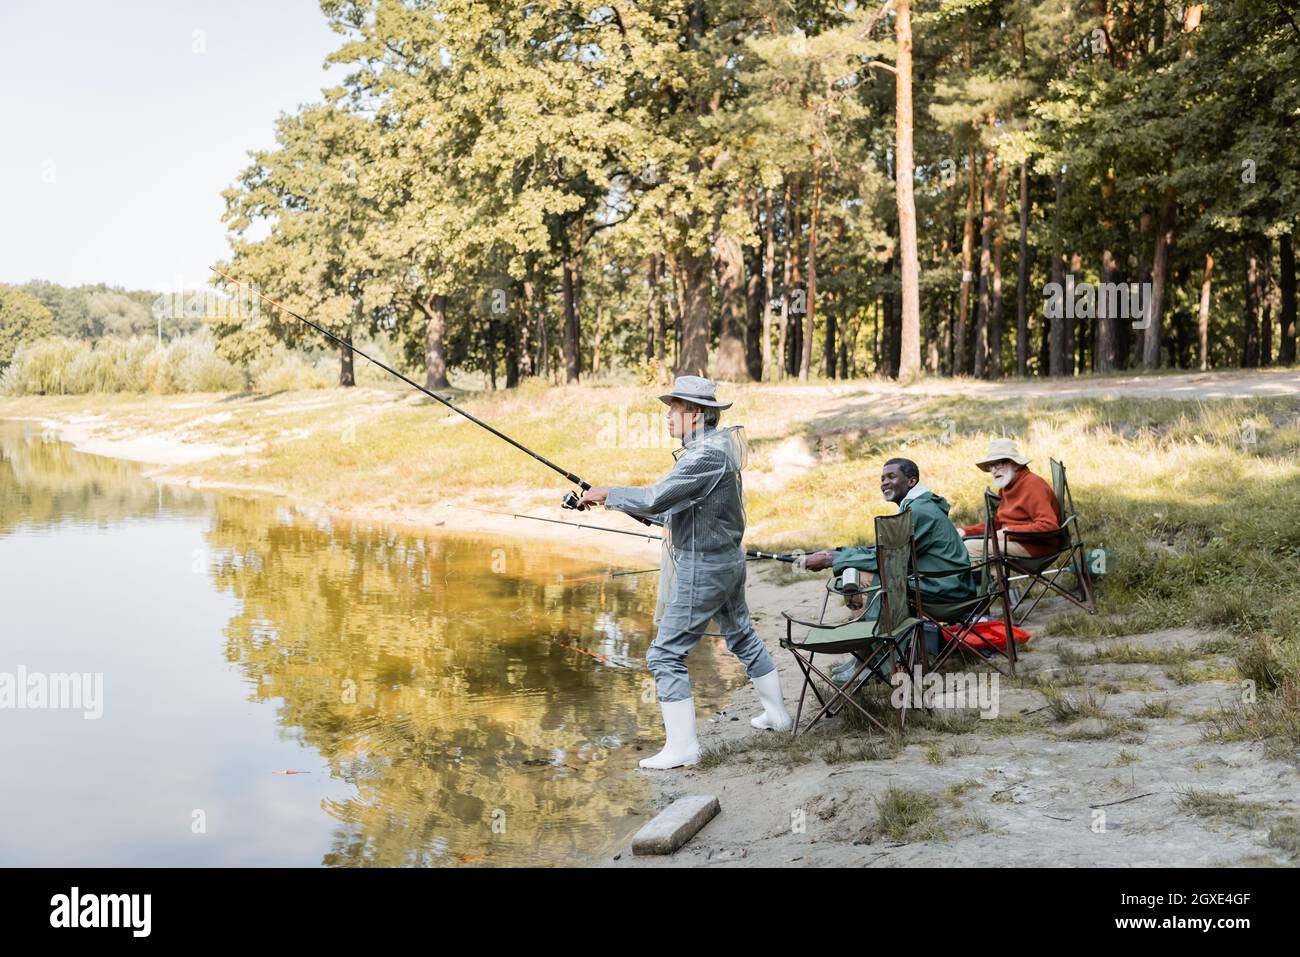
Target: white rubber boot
<point x="682" y="747"/>
<point x="774" y="716"/>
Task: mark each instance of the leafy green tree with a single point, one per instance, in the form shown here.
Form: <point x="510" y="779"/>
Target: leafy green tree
<point x="22" y="319"/>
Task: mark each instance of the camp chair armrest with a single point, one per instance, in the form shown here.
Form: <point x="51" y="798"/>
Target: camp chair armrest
<point x="918" y="574"/>
<point x="1047" y="536"/>
<point x="807" y="624"/>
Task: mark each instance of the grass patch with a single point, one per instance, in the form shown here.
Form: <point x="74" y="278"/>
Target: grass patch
<point x="907" y="815"/>
<point x="1163" y="708"/>
<point x="1284" y="835"/>
<point x="955" y="792"/>
<point x="1138" y="655"/>
<point x="1069" y="657"/>
<point x="1273" y="720"/>
<point x="841" y="752"/>
<point x="1185" y="674"/>
<point x="1065" y="707"/>
<point x="785" y="749"/>
<point x="1123" y="729"/>
<point x="1222" y="807"/>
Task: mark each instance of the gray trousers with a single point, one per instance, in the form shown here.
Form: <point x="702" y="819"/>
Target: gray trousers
<point x="705" y="589"/>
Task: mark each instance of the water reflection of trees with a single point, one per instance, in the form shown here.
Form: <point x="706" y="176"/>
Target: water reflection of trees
<point x="44" y="482"/>
<point x="440" y="688"/>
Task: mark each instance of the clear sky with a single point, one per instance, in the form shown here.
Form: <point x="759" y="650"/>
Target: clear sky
<point x="122" y="125"/>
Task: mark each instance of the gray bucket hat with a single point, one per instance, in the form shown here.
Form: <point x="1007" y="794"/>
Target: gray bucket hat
<point x="696" y="389"/>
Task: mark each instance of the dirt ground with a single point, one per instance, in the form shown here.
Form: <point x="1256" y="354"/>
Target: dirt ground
<point x="1021" y="790"/>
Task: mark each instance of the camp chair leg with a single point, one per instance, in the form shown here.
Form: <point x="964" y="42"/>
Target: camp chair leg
<point x="854" y="685"/>
<point x="1077" y="565"/>
<point x="806" y="666"/>
<point x="1049" y="585"/>
<point x="837" y="693"/>
<point x="1084" y="574"/>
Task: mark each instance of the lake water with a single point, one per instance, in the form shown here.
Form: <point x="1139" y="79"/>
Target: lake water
<point x="448" y="701"/>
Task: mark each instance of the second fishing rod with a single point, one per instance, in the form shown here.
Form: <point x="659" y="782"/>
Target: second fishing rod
<point x="752" y="553"/>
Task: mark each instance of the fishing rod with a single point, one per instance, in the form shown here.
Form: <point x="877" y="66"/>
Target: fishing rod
<point x="556" y="521"/>
<point x="570" y="498"/>
<point x="749" y="552"/>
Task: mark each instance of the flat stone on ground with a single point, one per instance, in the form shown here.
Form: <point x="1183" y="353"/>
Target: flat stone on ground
<point x="675" y="824"/>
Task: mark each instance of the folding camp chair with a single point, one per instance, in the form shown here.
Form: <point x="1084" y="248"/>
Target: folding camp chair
<point x="1070" y="556"/>
<point x="956" y="621"/>
<point x="881" y="643"/>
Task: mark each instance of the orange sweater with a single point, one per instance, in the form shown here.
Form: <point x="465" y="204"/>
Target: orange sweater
<point x="1028" y="505"/>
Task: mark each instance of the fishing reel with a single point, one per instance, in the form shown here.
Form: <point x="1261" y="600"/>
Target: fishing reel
<point x="571" y="500"/>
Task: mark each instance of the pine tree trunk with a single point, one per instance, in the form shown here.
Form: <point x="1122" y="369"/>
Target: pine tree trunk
<point x="1250" y="348"/>
<point x="932" y="365"/>
<point x="805" y="362"/>
<point x="783" y="346"/>
<point x="986" y="270"/>
<point x="967" y="264"/>
<point x="661" y="336"/>
<point x="1104" y="351"/>
<point x="1056" y="357"/>
<point x="435" y="331"/>
<point x="512" y="351"/>
<point x="769" y="263"/>
<point x="800" y="305"/>
<point x="347" y="376"/>
<point x="651" y="286"/>
<point x="694" y="356"/>
<point x="1287" y="282"/>
<point x="1071" y="341"/>
<point x="572" y="344"/>
<point x="730" y="363"/>
<point x="754" y="301"/>
<point x="1159" y="272"/>
<point x="526" y="367"/>
<point x="995" y="316"/>
<point x="875" y="340"/>
<point x="829" y="346"/>
<point x="1022" y="276"/>
<point x="1203" y="325"/>
<point x="675" y="270"/>
<point x="910" y="334"/>
<point x="1266" y="294"/>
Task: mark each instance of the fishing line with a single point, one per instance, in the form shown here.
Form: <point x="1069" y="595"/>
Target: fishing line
<point x="570" y="499"/>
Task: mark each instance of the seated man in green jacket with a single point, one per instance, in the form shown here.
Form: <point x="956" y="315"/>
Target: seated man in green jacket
<point x="939" y="546"/>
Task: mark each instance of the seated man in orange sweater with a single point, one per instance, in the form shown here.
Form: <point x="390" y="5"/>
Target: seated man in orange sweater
<point x="1028" y="505"/>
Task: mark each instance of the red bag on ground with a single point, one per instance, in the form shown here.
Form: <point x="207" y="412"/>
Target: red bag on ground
<point x="991" y="634"/>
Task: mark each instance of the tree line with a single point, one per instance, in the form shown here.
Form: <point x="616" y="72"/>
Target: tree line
<point x="787" y="190"/>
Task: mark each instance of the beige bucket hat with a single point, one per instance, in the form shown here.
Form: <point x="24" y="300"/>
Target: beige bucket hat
<point x="1000" y="449"/>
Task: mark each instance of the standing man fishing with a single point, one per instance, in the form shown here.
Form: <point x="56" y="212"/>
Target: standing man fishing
<point x="700" y="504"/>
